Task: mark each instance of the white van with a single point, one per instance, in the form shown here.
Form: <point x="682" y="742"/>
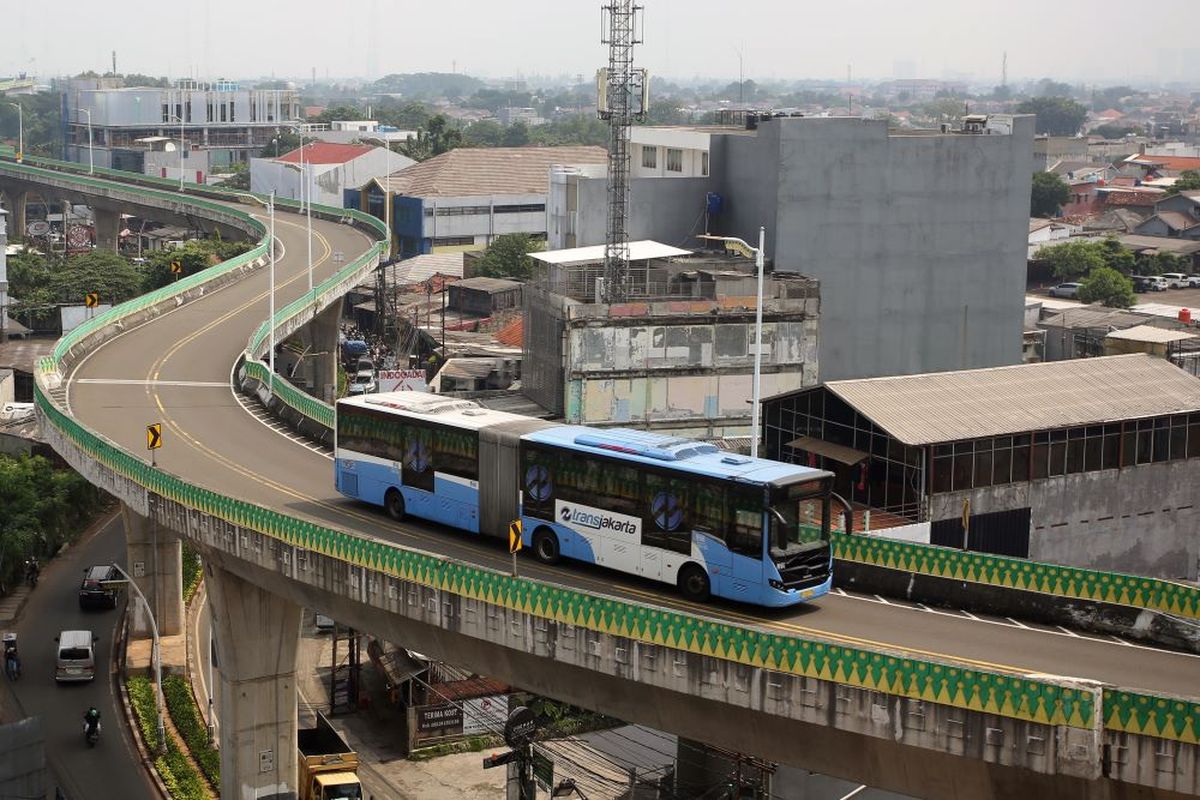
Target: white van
<point x="76" y="660"/>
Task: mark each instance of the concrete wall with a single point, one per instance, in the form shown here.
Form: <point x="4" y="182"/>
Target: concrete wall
<point x="662" y="370"/>
<point x="23" y="759"/>
<point x="667" y="211"/>
<point x="1141" y="519"/>
<point x="919" y="241"/>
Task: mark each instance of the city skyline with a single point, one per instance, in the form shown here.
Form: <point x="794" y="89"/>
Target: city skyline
<point x="939" y="40"/>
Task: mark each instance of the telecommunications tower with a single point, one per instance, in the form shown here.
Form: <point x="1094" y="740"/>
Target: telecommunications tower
<point x="623" y="98"/>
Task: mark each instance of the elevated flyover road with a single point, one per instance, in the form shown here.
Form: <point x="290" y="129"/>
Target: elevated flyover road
<point x="176" y="369"/>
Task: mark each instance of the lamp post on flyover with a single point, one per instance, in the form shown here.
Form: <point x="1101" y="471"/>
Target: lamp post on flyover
<point x="91" y="160"/>
<point x="156" y="657"/>
<point x="20" y="134"/>
<point x="270" y="205"/>
<point x="758" y="263"/>
<point x="303" y="181"/>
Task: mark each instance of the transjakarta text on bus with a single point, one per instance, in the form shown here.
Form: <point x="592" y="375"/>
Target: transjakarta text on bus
<point x="665" y="508"/>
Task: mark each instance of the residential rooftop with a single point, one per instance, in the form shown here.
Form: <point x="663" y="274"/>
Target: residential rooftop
<point x="479" y="171"/>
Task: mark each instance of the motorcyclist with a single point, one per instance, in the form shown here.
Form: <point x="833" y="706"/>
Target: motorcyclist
<point x="91" y="720"/>
<point x="12" y="661"/>
<point x="32" y="568"/>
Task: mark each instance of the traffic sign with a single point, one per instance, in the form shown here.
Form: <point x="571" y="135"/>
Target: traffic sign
<point x="514" y="536"/>
<point x="176" y="267"/>
<point x="154" y="436"/>
<point x="499" y="759"/>
<point x="91" y="299"/>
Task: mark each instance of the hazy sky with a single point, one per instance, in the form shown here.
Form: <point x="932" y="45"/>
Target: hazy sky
<point x="1082" y="40"/>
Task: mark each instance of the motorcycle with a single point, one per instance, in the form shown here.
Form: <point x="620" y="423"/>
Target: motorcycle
<point x="91" y="733"/>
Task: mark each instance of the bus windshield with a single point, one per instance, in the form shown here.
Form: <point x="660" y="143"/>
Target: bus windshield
<point x="799" y="518"/>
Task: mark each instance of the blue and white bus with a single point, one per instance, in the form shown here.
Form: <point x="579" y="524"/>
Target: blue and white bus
<point x="665" y="508"/>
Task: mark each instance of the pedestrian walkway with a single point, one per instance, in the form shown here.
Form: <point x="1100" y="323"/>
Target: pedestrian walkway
<point x="11" y="604"/>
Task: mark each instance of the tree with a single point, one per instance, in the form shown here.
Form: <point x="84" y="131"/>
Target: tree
<point x="1056" y="116"/>
<point x="438" y="136"/>
<point x="1071" y="260"/>
<point x="1113" y="130"/>
<point x="40" y="509"/>
<point x="101" y="271"/>
<point x="1108" y="287"/>
<point x="281" y="143"/>
<point x="517" y="135"/>
<point x="194" y="256"/>
<point x="1048" y="193"/>
<point x="1189" y="181"/>
<point x="1049" y="88"/>
<point x="485" y="133"/>
<point x="508" y="257"/>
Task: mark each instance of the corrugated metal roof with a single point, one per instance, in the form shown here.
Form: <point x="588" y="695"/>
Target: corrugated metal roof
<point x="1150" y="333"/>
<point x="490" y="285"/>
<point x="948" y="406"/>
<point x="638" y="251"/>
<point x="1092" y="317"/>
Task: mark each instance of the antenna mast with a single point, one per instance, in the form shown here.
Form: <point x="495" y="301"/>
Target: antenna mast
<point x="623" y="95"/>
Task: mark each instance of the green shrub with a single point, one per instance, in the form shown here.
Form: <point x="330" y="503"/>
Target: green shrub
<point x="192" y="573"/>
<point x="181" y="705"/>
<point x="181" y="780"/>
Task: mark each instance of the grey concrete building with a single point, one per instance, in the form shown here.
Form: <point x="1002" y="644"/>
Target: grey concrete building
<point x="918" y="238"/>
<point x="1092" y="462"/>
<point x="678" y="355"/>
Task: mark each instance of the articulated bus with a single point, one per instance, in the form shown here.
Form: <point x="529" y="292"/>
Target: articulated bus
<point x="673" y="510"/>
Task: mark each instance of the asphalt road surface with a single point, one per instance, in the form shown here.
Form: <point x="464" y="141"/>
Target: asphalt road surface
<point x="176" y="370"/>
<point x="113" y="768"/>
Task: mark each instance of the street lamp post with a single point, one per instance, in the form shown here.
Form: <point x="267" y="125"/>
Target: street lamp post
<point x="270" y="204"/>
<point x="758" y="314"/>
<point x="20" y="132"/>
<point x="91" y="160"/>
<point x="157" y="658"/>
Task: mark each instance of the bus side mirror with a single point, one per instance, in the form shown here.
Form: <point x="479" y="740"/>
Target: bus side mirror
<point x="847" y="511"/>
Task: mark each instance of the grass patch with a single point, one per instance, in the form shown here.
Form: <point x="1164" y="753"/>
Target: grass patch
<point x="181" y="705"/>
<point x="472" y="744"/>
<point x="192" y="573"/>
<point x="181" y="780"/>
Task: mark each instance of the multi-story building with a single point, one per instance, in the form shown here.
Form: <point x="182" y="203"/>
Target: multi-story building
<point x="677" y="354"/>
<point x="918" y="238"/>
<point x="227" y="123"/>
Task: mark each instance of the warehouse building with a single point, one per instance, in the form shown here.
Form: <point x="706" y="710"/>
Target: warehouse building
<point x="1092" y="462"/>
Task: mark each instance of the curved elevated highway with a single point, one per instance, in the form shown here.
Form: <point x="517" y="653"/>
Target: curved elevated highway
<point x="176" y="367"/>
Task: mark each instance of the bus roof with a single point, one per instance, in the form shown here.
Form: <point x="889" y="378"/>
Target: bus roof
<point x="656" y="449"/>
<point x="466" y="414"/>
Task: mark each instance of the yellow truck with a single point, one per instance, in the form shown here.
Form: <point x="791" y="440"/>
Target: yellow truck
<point x="327" y="765"/>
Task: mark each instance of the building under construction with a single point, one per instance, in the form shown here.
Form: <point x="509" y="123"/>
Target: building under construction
<point x="676" y="353"/>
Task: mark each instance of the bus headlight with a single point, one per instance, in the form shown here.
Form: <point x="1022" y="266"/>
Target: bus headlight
<point x="774" y="584"/>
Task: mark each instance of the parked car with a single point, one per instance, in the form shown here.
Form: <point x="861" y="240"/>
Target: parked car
<point x="1067" y="290"/>
<point x="93" y="593"/>
<point x="1176" y="280"/>
<point x="1140" y="283"/>
<point x="362" y="383"/>
<point x="1157" y="283"/>
<point x="1194" y="281"/>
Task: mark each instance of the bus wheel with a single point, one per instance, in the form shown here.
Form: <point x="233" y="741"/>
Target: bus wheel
<point x="545" y="546"/>
<point x="393" y="501"/>
<point x="693" y="582"/>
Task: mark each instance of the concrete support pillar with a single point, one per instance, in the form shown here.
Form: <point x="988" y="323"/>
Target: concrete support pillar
<point x="154" y="556"/>
<point x="108" y="229"/>
<point x="257" y="636"/>
<point x="16" y="214"/>
<point x="321" y="361"/>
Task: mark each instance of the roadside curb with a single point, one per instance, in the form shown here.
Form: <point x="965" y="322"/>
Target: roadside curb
<point x="131" y="723"/>
<point x="191" y="617"/>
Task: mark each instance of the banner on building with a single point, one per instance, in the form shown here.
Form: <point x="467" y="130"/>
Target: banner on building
<point x="402" y="380"/>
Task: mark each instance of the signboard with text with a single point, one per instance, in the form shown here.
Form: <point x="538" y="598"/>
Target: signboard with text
<point x="440" y="720"/>
<point x="402" y="380"/>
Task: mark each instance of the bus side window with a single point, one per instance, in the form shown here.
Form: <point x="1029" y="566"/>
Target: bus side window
<point x="745" y="534"/>
<point x="667" y="517"/>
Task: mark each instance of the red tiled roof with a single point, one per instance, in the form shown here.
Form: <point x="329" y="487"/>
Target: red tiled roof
<point x="1136" y="199"/>
<point x="326" y="153"/>
<point x="1175" y="163"/>
<point x="512" y="334"/>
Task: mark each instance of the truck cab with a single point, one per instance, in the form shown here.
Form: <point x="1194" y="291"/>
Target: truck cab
<point x="327" y="765"/>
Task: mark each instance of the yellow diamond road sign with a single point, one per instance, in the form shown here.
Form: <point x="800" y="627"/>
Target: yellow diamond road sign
<point x="514" y="536"/>
<point x="91" y="299"/>
<point x="154" y="436"/>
